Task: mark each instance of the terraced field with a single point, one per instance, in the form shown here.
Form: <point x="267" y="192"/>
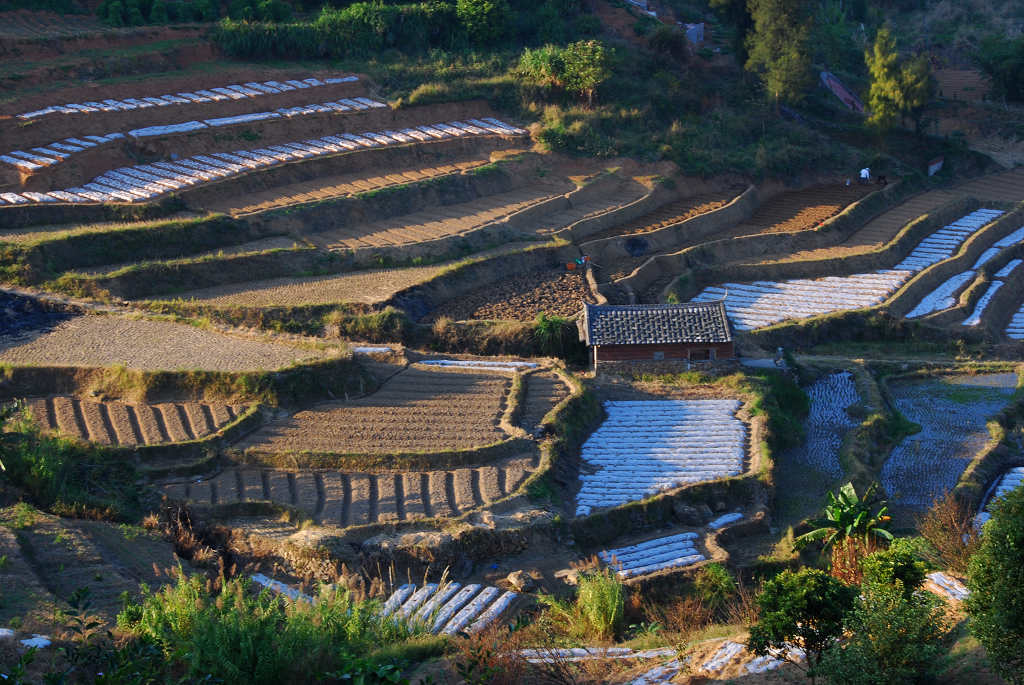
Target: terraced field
<point x="340" y="498"/>
<point x="521" y="298"/>
<point x="26" y="24"/>
<point x="799" y="210"/>
<point x="436" y="222"/>
<point x="952" y="412"/>
<point x="417" y="410"/>
<point x="962" y="84"/>
<point x="1004" y="187"/>
<point x="671" y="213"/>
<point x="130" y="424"/>
<point x="544" y="389"/>
<point x="343" y="185"/>
<point x="101" y="340"/>
<point x="625" y="192"/>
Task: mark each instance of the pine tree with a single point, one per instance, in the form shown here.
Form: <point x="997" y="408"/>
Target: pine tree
<point x="158" y="14"/>
<point x="779" y="47"/>
<point x="897" y="90"/>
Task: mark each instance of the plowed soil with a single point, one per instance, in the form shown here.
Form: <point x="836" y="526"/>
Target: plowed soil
<point x="417" y="410"/>
<point x="800" y="210"/>
<point x="350" y="499"/>
<point x="124" y="424"/>
<point x="97" y="340"/>
<point x="521" y="298"/>
<point x="672" y="213"/>
<point x="21" y="24"/>
<point x="543" y="391"/>
<point x="962" y="84"/>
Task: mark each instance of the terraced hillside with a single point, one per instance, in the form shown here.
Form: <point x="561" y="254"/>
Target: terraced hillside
<point x="342" y="498"/>
<point x="417" y="410"/>
<point x="521" y="298"/>
<point x="671" y="213"/>
<point x="106" y="340"/>
<point x="130" y="424"/>
<point x="962" y="84"/>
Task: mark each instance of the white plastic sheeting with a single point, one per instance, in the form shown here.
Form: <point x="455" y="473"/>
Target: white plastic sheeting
<point x="949" y="586"/>
<point x="723" y="657"/>
<point x="979" y="308"/>
<point x="673" y="551"/>
<point x="644" y="447"/>
<point x="145" y="182"/>
<point x="943" y="297"/>
<point x="827" y="423"/>
<point x="234" y="92"/>
<point x="762" y="303"/>
<point x="574" y="654"/>
<point x="1011" y="480"/>
<point x="1014" y="329"/>
<point x="450" y="608"/>
<point x="479" y="364"/>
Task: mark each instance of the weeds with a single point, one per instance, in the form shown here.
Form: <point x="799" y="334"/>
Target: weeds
<point x="949" y="526"/>
<point x="598" y="610"/>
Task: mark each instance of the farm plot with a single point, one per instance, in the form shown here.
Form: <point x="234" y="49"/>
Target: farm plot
<point x="1015" y="329"/>
<point x="763" y="303"/>
<point x="130" y="424"/>
<point x="543" y="391"/>
<point x="671" y="213"/>
<point x="448" y="608"/>
<point x="146" y="182"/>
<point x="23" y="317"/>
<point x="26" y="24"/>
<point x="799" y="210"/>
<point x="436" y="222"/>
<point x="952" y="413"/>
<point x="644" y="447"/>
<point x="1010" y="481"/>
<point x="945" y="295"/>
<point x="343" y="498"/>
<point x="218" y="94"/>
<point x="521" y="298"/>
<point x="101" y="340"/>
<point x="827" y="423"/>
<point x="673" y="551"/>
<point x="418" y="410"/>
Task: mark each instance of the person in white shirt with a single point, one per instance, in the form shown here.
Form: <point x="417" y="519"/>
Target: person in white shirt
<point x="865" y="175"/>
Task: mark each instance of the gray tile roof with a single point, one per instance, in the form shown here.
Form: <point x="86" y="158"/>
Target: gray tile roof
<point x="650" y="324"/>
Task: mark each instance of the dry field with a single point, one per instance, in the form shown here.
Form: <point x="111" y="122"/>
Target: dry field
<point x="251" y="247"/>
<point x="343" y="185"/>
<point x="627" y="191"/>
<point x="418" y="410"/>
<point x="436" y="222"/>
<point x="350" y="499"/>
<point x="101" y="340"/>
<point x="544" y="390"/>
<point x="962" y="84"/>
<point x="130" y="424"/>
<point x="672" y="213"/>
<point x="23" y="24"/>
<point x="521" y="298"/>
<point x="799" y="210"/>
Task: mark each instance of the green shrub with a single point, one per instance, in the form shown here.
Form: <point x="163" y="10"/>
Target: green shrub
<point x="805" y="609"/>
<point x="237" y="636"/>
<point x="600" y="601"/>
<point x="485" y="21"/>
<point x="995" y="578"/>
<point x="895" y="634"/>
<point x="1002" y="59"/>
<point x="714" y="585"/>
<point x="894" y="567"/>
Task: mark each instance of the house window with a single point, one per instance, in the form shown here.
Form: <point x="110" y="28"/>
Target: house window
<point x="659" y="356"/>
<point x="699" y="355"/>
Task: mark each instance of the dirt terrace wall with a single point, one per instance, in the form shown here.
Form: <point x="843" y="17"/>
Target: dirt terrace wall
<point x="709" y="264"/>
<point x="21" y="216"/>
<point x="660" y="195"/>
<point x="369" y="161"/>
<point x="83" y="166"/>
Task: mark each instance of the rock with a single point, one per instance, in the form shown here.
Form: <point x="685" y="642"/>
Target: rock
<point x="568" y="576"/>
<point x="520" y="581"/>
<point x="691" y="515"/>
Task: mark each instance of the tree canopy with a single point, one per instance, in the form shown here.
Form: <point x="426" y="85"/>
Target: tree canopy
<point x="779" y="47"/>
<point x="898" y="88"/>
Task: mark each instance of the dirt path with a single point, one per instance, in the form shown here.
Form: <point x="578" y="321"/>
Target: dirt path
<point x="418" y="410"/>
<point x="436" y="222"/>
<point x="130" y="424"/>
<point x="543" y="391"/>
<point x="98" y="340"/>
<point x="349" y="499"/>
<point x="341" y="185"/>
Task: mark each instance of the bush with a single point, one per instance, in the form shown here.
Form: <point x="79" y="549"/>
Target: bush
<point x="948" y="526"/>
<point x="895" y="635"/>
<point x="995" y="577"/>
<point x="601" y="601"/>
<point x="486" y="21"/>
<point x="805" y="609"/>
<point x="714" y="585"/>
<point x="1002" y="59"/>
<point x="236" y="636"/>
<point x="894" y="567"/>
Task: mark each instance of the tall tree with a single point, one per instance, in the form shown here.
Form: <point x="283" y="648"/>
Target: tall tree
<point x="898" y="88"/>
<point x="779" y="47"/>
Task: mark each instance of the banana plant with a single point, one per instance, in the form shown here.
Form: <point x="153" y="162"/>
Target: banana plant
<point x="849" y="516"/>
